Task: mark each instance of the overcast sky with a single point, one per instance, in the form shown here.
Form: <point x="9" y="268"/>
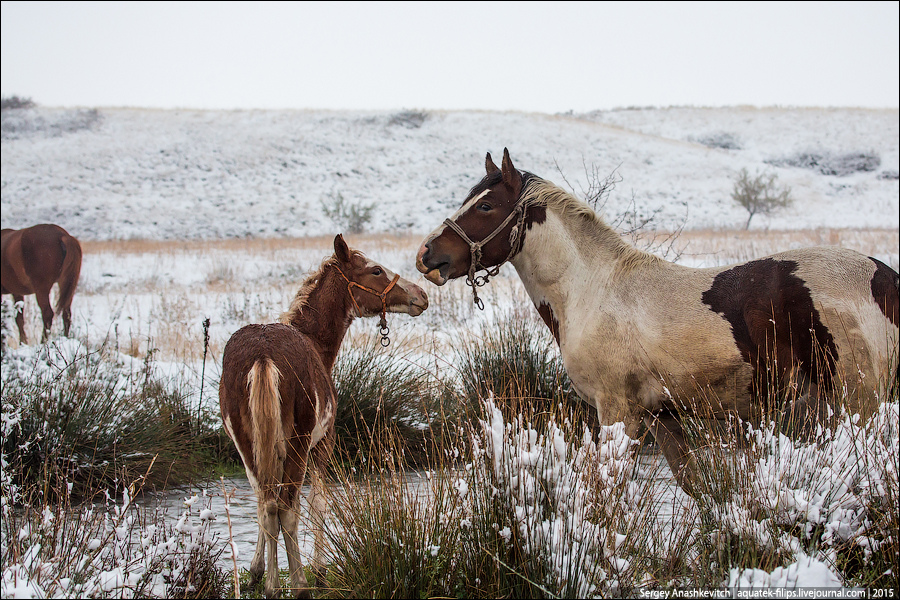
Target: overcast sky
<point x="544" y="57"/>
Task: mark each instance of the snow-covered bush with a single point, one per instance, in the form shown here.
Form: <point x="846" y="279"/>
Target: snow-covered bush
<point x="90" y="417"/>
<point x="110" y="550"/>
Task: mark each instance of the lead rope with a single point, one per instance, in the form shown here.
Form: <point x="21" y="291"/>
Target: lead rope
<point x="476" y="281"/>
<point x="382" y="324"/>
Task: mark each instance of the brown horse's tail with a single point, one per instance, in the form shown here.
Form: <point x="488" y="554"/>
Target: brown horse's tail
<point x="267" y="432"/>
<point x="71" y="271"/>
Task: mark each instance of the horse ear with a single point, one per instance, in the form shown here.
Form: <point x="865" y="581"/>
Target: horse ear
<point x="489" y="165"/>
<point x="341" y="249"/>
<point x="511" y="176"/>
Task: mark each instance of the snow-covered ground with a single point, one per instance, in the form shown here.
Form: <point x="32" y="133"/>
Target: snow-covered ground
<point x="126" y="173"/>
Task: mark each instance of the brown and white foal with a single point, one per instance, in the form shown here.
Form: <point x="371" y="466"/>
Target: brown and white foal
<point x="278" y="399"/>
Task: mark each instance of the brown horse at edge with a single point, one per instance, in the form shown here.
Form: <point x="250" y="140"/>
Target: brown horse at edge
<point x="35" y="258"/>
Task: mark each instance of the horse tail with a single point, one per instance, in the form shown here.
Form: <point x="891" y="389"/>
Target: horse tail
<point x="267" y="432"/>
<point x="71" y="271"/>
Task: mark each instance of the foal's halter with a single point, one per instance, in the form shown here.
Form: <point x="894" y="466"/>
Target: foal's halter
<point x="385" y="330"/>
<point x="474" y="281"/>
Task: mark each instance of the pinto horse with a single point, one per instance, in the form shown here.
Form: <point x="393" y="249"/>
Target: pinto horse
<point x="35" y="258"/>
<point x="278" y="400"/>
<point x="646" y="340"/>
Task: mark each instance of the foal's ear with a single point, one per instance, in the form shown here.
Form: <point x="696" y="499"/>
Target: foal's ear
<point x="341" y="249"/>
<point x="511" y="176"/>
<point x="489" y="165"/>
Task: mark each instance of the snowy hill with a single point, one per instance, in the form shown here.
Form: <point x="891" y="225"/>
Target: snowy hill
<point x="183" y="174"/>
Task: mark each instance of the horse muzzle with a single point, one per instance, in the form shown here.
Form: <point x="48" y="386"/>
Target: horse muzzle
<point x="434" y="272"/>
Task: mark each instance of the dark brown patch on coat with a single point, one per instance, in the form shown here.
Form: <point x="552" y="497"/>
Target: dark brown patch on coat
<point x="549" y="320"/>
<point x="885" y="286"/>
<point x="774" y="322"/>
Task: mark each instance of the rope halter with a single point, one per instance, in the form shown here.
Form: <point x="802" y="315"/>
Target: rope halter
<point x="384" y="329"/>
<point x="476" y="281"/>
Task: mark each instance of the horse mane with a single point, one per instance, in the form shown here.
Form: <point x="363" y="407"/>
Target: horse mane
<point x="540" y="192"/>
<point x="301" y="298"/>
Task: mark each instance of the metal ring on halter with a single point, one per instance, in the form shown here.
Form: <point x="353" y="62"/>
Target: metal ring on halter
<point x="385" y="332"/>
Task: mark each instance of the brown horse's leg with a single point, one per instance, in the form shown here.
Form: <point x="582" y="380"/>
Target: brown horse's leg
<point x="19" y="303"/>
<point x="669" y="434"/>
<point x="67" y="320"/>
<point x="43" y="300"/>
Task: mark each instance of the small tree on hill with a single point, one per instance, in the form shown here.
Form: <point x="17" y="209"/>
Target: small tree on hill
<point x="760" y="194"/>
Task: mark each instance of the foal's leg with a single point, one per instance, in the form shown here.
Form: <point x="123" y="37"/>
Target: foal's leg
<point x="669" y="434"/>
<point x="289" y="515"/>
<point x="317" y="503"/>
<point x="258" y="564"/>
<point x="20" y="317"/>
<point x="270" y="524"/>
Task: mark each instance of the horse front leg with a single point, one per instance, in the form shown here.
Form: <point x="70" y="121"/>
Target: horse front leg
<point x="669" y="434"/>
<point x="19" y="307"/>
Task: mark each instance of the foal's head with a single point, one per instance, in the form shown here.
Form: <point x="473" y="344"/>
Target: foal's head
<point x="491" y="217"/>
<point x="373" y="288"/>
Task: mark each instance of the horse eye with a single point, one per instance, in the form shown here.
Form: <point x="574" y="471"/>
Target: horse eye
<point x="377" y="271"/>
<point x="484" y="207"/>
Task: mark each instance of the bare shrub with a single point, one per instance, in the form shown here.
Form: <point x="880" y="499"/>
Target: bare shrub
<point x="349" y="217"/>
<point x="760" y="194"/>
<point x="637" y="224"/>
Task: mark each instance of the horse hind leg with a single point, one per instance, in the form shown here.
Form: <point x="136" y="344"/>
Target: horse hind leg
<point x="290" y="519"/>
<point x="258" y="564"/>
<point x="67" y="320"/>
<point x="43" y="300"/>
<point x="270" y="525"/>
<point x="296" y="467"/>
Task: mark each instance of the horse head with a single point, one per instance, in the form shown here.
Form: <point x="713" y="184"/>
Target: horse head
<point x="484" y="233"/>
<point x="373" y="288"/>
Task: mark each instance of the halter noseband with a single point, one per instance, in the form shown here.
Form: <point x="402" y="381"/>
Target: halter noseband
<point x="475" y="248"/>
<point x="385" y="330"/>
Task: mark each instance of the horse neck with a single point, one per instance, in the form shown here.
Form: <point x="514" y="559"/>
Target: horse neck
<point x="322" y="312"/>
<point x="569" y="253"/>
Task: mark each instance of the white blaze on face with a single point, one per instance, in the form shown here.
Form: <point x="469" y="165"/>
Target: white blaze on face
<point x="434" y="275"/>
<point x="462" y="210"/>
